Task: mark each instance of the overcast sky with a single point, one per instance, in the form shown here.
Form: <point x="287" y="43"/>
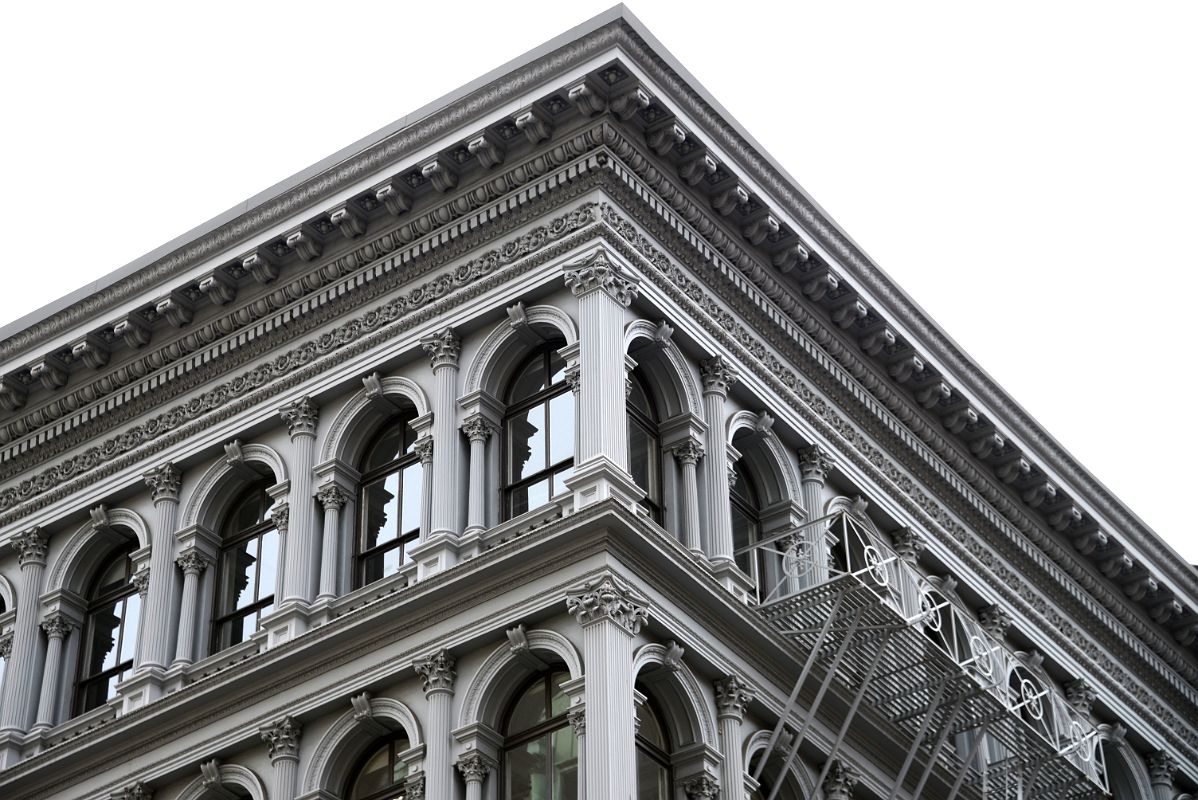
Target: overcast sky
<point x="1026" y="171"/>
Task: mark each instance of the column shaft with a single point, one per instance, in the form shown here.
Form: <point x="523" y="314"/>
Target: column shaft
<point x="20" y="680"/>
<point x="333" y="499"/>
<point x="718" y="377"/>
<point x="156" y="644"/>
<point x="438" y="676"/>
<point x="300" y="570"/>
<point x="815" y="464"/>
<point x="47" y="708"/>
<point x="477" y="430"/>
<point x="602" y="403"/>
<point x="193" y="564"/>
<point x="443" y="349"/>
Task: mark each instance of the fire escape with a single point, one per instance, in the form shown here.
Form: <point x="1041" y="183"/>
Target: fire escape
<point x="867" y="623"/>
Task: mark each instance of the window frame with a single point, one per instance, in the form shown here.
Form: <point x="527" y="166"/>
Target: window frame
<point x="388" y="792"/>
<point x="748" y="503"/>
<point x="97" y="601"/>
<point x="649" y="423"/>
<point x="513" y="410"/>
<point x="642" y="744"/>
<point x="408" y="457"/>
<point x="230" y="541"/>
<point x="513" y="741"/>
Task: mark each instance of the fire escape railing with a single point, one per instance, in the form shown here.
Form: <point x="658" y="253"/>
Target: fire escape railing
<point x="867" y="621"/>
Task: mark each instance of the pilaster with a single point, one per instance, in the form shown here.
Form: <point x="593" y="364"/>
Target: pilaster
<point x="283" y="743"/>
<point x="688" y="452"/>
<point x="57" y="627"/>
<point x="21" y="687"/>
<point x="474" y="768"/>
<point x="814" y="467"/>
<point x="438" y="676"/>
<point x="332" y="499"/>
<point x="732" y="698"/>
<point x="192" y="563"/>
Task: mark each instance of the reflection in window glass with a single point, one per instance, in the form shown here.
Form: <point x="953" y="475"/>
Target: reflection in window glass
<point x="381" y="775"/>
<point x="110" y="633"/>
<point x="248" y="569"/>
<point x="390" y="511"/>
<point x="538" y="433"/>
<point x="540" y="759"/>
<point x="652" y="755"/>
<point x="644" y="447"/>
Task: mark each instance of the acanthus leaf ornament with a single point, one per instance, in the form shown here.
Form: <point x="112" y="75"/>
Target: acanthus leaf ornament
<point x="282" y="738"/>
<point x="597" y="271"/>
<point x="192" y="561"/>
<point x="443" y="348"/>
<point x="577" y="718"/>
<point x="608" y="599"/>
<point x="815" y="464"/>
<point x="732" y="697"/>
<point x="688" y="451"/>
<point x="164" y="482"/>
<point x="701" y="787"/>
<point x="6" y="645"/>
<point x="413" y="787"/>
<point x="437" y="672"/>
<point x="478" y="428"/>
<point x="995" y="621"/>
<point x="281" y="516"/>
<point x="56" y="626"/>
<point x="141" y="581"/>
<point x="475" y="766"/>
<point x="718" y="375"/>
<point x="424" y="449"/>
<point x="300" y="416"/>
<point x="30" y="546"/>
<point x="332" y="497"/>
<point x="839" y="783"/>
<point x="1161" y="767"/>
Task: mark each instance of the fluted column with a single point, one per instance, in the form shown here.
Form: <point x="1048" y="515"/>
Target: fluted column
<point x="443" y="349"/>
<point x="718" y="377"/>
<point x="332" y="499"/>
<point x="603" y="293"/>
<point x="283" y="739"/>
<point x="56" y="627"/>
<point x="478" y="430"/>
<point x="20" y="682"/>
<point x="610" y="614"/>
<point x="302" y="549"/>
<point x="193" y="563"/>
<point x="577" y="717"/>
<point x="908" y="544"/>
<point x="687" y="453"/>
<point x="424" y="450"/>
<point x="156" y="644"/>
<point x="839" y="783"/>
<point x="1161" y="768"/>
<point x="438" y="676"/>
<point x="814" y="465"/>
<point x="732" y="697"/>
<point x="474" y="768"/>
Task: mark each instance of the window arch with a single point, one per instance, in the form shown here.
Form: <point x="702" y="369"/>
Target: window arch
<point x="109" y="630"/>
<point x="654" y="776"/>
<point x="540" y="750"/>
<point x="380" y="773"/>
<point x="248" y="568"/>
<point x="644" y="445"/>
<point x="389" y="504"/>
<point x="746" y="528"/>
<point x="538" y="432"/>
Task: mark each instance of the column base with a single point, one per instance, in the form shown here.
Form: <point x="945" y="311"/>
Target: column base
<point x="436" y="554"/>
<point x="175" y="677"/>
<point x="598" y="479"/>
<point x="470" y="544"/>
<point x="144" y="687"/>
<point x="733" y="579"/>
<point x="285" y="624"/>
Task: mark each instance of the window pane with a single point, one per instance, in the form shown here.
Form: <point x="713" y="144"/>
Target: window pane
<point x="559" y="702"/>
<point x="374" y="775"/>
<point x="651" y="778"/>
<point x="249" y="624"/>
<point x="413" y="477"/>
<point x="114" y="576"/>
<point x="559" y="480"/>
<point x="744" y="533"/>
<point x="389" y="445"/>
<point x="557" y="368"/>
<point x="529" y="710"/>
<point x="129" y="626"/>
<point x="269" y="565"/>
<point x="530" y="380"/>
<point x="105" y="626"/>
<point x="526" y="443"/>
<point x="241" y="574"/>
<point x="638" y="399"/>
<point x="561" y="427"/>
<point x="382" y="511"/>
<point x="527" y="771"/>
<point x="641" y="456"/>
<point x="565" y="764"/>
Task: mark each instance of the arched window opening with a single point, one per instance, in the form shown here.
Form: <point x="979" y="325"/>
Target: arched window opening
<point x="249" y="562"/>
<point x="654" y="778"/>
<point x="379" y="773"/>
<point x="540" y="751"/>
<point x="110" y="631"/>
<point x="389" y="502"/>
<point x="538" y="431"/>
<point x="765" y="784"/>
<point x="746" y="528"/>
<point x="644" y="446"/>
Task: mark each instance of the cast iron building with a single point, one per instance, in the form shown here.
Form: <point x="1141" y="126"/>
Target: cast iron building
<point x="553" y="443"/>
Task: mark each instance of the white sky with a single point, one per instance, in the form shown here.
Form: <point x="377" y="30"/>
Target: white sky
<point x="1026" y="171"/>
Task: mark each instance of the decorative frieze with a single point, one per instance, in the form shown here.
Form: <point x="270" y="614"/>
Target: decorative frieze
<point x="437" y="672"/>
<point x="608" y="599"/>
<point x="164" y="482"/>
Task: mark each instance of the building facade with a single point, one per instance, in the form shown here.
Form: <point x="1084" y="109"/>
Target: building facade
<point x="556" y="445"/>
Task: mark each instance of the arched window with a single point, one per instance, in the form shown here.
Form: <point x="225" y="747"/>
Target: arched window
<point x="380" y="774"/>
<point x="653" y="775"/>
<point x="110" y="632"/>
<point x="389" y="516"/>
<point x="540" y="751"/>
<point x="644" y="446"/>
<point x="249" y="562"/>
<point x="746" y="527"/>
<point x="538" y="431"/>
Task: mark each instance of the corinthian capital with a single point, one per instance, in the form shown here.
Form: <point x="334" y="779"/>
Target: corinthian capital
<point x="608" y="599"/>
<point x="688" y="451"/>
<point x="477" y="428"/>
<point x="300" y="417"/>
<point x="6" y="645"/>
<point x="56" y="626"/>
<point x="732" y="697"/>
<point x="135" y="791"/>
<point x="596" y="271"/>
<point x="840" y="782"/>
<point x="718" y="375"/>
<point x="702" y="787"/>
<point x="474" y="767"/>
<point x="282" y="738"/>
<point x="164" y="482"/>
<point x="332" y="496"/>
<point x="436" y="672"/>
<point x="814" y="463"/>
<point x="192" y="561"/>
<point x="1161" y="766"/>
<point x="30" y="546"/>
<point x="443" y="348"/>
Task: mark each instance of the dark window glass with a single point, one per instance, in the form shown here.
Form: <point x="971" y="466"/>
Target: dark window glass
<point x="380" y="774"/>
<point x="653" y="777"/>
<point x="538" y="433"/>
<point x="644" y="447"/>
<point x="746" y="528"/>
<point x="389" y="513"/>
<point x="540" y="755"/>
<point x="249" y="565"/>
<point x="110" y="632"/>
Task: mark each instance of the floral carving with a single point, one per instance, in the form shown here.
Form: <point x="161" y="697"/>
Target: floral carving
<point x="164" y="482"/>
<point x="443" y="348"/>
<point x="732" y="697"/>
<point x="608" y="599"/>
<point x="597" y="271"/>
<point x="30" y="546"/>
<point x="300" y="416"/>
<point x="282" y="738"/>
<point x="437" y="672"/>
<point x="474" y="767"/>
